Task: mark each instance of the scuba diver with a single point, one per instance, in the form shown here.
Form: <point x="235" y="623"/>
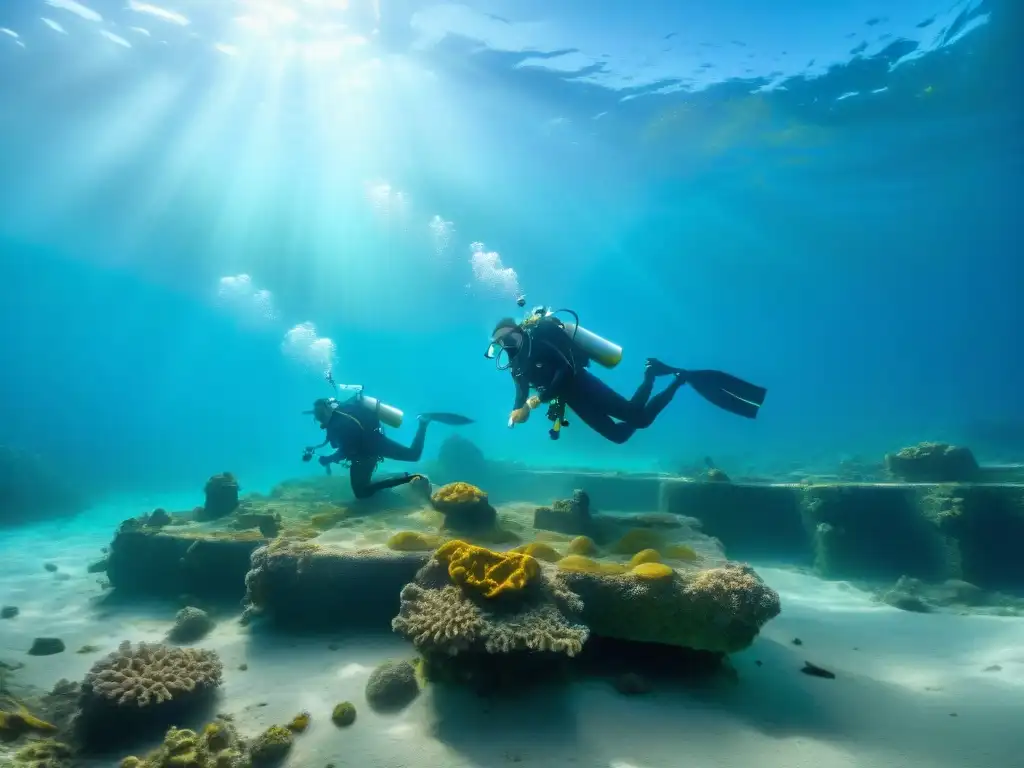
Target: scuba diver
<point x="551" y="356"/>
<point x="354" y="429"/>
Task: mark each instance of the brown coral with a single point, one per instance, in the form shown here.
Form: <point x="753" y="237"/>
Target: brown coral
<point x="151" y="674"/>
<point x="440" y="618"/>
<point x="719" y="609"/>
<point x="735" y="590"/>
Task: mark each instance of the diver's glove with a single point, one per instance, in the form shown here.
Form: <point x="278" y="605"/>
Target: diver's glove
<point x="325" y="461"/>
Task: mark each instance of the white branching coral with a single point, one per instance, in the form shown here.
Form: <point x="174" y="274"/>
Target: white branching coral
<point x="151" y="674"/>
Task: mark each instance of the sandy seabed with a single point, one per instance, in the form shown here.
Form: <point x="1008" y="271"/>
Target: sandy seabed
<point x="912" y="690"/>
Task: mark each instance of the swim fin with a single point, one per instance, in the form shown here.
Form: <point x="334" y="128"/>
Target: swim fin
<point x="727" y="392"/>
<point x="451" y="419"/>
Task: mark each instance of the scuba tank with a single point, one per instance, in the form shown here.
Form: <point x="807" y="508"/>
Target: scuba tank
<point x="388" y="414"/>
<point x="597" y="348"/>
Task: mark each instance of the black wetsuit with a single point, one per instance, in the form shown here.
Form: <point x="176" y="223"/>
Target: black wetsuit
<point x="356" y="435"/>
<point x="556" y="368"/>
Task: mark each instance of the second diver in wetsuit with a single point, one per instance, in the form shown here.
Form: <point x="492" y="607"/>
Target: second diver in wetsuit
<point x="552" y="357"/>
<point x="353" y="429"/>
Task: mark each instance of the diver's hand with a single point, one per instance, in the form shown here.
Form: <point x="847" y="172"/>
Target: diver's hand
<point x="325" y="461"/>
<point x="519" y="416"/>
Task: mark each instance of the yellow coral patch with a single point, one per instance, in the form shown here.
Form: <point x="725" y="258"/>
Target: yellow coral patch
<point x="458" y="493"/>
<point x="645" y="556"/>
<point x="582" y="545"/>
<point x="653" y="571"/>
<point x="324" y="521"/>
<point x="13" y="724"/>
<point x="582" y="564"/>
<point x="487" y="572"/>
<point x="681" y="552"/>
<point x="413" y="541"/>
<point x="540" y="550"/>
<point x="637" y="539"/>
<point x="299" y="723"/>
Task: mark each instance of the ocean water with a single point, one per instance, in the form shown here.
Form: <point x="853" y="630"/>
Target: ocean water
<point x="207" y="206"/>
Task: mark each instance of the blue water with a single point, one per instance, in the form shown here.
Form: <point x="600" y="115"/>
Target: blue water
<point x="820" y="198"/>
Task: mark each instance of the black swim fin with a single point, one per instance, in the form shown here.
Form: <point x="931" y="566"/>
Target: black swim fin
<point x="727" y="392"/>
<point x="451" y="419"/>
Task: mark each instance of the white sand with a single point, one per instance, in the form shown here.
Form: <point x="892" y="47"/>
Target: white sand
<point x="901" y="677"/>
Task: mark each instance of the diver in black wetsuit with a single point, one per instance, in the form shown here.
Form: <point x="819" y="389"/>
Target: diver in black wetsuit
<point x="543" y="354"/>
<point x="354" y="431"/>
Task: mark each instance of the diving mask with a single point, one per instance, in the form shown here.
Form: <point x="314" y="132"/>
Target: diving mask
<point x="508" y="340"/>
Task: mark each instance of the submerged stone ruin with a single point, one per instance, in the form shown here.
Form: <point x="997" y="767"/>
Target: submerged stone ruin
<point x="615" y="573"/>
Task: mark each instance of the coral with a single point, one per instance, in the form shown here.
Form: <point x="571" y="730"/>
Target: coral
<point x="299" y="723"/>
<point x="221" y="497"/>
<point x="587" y="565"/>
<point x="442" y="619"/>
<point x="457" y="493"/>
<point x="343" y="714"/>
<point x="540" y="551"/>
<point x="392" y="686"/>
<point x="190" y="624"/>
<point x="465" y="508"/>
<point x="719" y="610"/>
<point x="486" y="572"/>
<point x="150" y="675"/>
<point x="324" y="521"/>
<point x="43" y="754"/>
<point x="682" y="552"/>
<point x="217" y="746"/>
<point x="645" y="556"/>
<point x="413" y="541"/>
<point x="18" y="721"/>
<point x="582" y="545"/>
<point x="652" y="571"/>
<point x="636" y="540"/>
<point x="140" y="687"/>
<point x="271" y="746"/>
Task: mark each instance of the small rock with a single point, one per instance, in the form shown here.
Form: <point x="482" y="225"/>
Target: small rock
<point x="88" y="649"/>
<point x="344" y="714"/>
<point x="758" y="662"/>
<point x="632" y="684"/>
<point x="50" y="567"/>
<point x="9" y="612"/>
<point x="797" y="641"/>
<point x="46" y="646"/>
<point x="993" y="668"/>
<point x="392" y="686"/>
<point x="815" y="671"/>
<point x="243" y="667"/>
<point x="190" y="624"/>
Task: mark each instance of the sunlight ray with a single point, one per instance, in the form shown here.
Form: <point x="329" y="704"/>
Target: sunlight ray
<point x="110" y="138"/>
<point x="254" y="161"/>
<point x="194" y="151"/>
